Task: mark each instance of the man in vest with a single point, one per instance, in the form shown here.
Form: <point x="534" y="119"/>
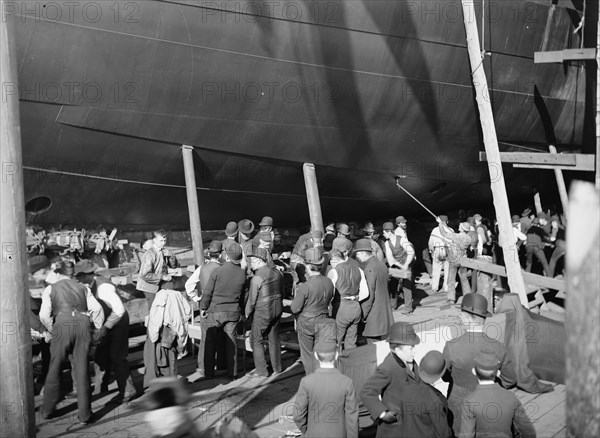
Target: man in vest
<point x="264" y="306"/>
<point x="220" y="308"/>
<point x="347" y="278"/>
<point x="439" y="257"/>
<point x="311" y="305"/>
<point x="113" y="337"/>
<point x="153" y="270"/>
<point x="68" y="310"/>
<point x="457" y="251"/>
<point x="400" y="254"/>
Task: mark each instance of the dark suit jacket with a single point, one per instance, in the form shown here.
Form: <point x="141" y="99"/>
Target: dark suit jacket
<point x="490" y="411"/>
<point x="326" y="405"/>
<point x="393" y="382"/>
<point x="377" y="309"/>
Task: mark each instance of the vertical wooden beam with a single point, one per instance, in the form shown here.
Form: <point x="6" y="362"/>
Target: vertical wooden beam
<point x="490" y="140"/>
<point x="598" y="104"/>
<point x="312" y="196"/>
<point x="16" y="371"/>
<point x="583" y="311"/>
<point x="192" y="198"/>
<point x="560" y="182"/>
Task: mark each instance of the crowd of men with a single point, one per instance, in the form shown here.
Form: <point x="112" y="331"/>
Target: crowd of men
<point x="343" y="290"/>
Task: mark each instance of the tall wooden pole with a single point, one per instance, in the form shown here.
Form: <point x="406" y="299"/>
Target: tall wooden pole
<point x="583" y="312"/>
<point x="598" y="104"/>
<point x="490" y="140"/>
<point x="562" y="188"/>
<point x="312" y="196"/>
<point x="16" y="373"/>
<point x="192" y="198"/>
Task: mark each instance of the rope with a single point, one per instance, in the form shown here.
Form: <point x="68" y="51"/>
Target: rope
<point x="417" y="201"/>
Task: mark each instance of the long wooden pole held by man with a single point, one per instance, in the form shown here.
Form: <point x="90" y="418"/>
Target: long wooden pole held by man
<point x="490" y="140"/>
<point x="16" y="376"/>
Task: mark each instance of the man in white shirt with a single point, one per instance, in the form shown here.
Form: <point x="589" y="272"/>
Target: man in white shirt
<point x="112" y="338"/>
<point x="439" y="257"/>
<point x="66" y="311"/>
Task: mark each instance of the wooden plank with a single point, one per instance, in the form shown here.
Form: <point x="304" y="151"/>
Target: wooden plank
<point x="534" y="158"/>
<point x="528" y="277"/>
<point x="558" y="56"/>
<point x="490" y="141"/>
<point x="553" y="421"/>
<point x="583" y="163"/>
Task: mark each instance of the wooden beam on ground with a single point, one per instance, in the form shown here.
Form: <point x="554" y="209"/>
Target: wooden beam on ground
<point x="560" y="182"/>
<point x="490" y="140"/>
<point x="16" y="369"/>
<point x="193" y="207"/>
<point x="528" y="277"/>
<point x="312" y="196"/>
<point x="541" y="160"/>
<point x="564" y="55"/>
<point x="583" y="311"/>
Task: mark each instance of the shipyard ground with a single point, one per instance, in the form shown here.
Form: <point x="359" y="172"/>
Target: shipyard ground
<point x="266" y="404"/>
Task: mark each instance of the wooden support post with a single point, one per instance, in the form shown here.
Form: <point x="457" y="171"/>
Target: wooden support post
<point x="560" y="182"/>
<point x="16" y="370"/>
<point x="583" y="311"/>
<point x="598" y="107"/>
<point x="490" y="140"/>
<point x="312" y="195"/>
<point x="192" y="198"/>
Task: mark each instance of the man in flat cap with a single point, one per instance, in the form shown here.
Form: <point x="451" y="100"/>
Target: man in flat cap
<point x="113" y="338"/>
<point x="460" y="353"/>
<point x="457" y="244"/>
<point x="311" y="306"/>
<point x="400" y="254"/>
<point x="324" y="388"/>
<point x="383" y="392"/>
<point x="153" y="270"/>
<point x="439" y="256"/>
<point x="377" y="311"/>
<point x="401" y="227"/>
<point x="509" y="418"/>
<point x="264" y="307"/>
<point x="220" y="309"/>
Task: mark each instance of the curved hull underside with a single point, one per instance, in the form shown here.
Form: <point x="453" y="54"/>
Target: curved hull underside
<point x="364" y="89"/>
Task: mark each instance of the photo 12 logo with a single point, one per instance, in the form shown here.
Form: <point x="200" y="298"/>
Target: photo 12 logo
<point x="72" y="11"/>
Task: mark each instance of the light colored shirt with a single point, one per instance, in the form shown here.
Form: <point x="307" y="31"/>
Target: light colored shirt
<point x="108" y="294"/>
<point x="192" y="282"/>
<point x="408" y="247"/>
<point x="94" y="308"/>
<point x="363" y="288"/>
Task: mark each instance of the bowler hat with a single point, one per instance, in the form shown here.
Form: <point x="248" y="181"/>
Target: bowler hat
<point x="400" y="220"/>
<point x="343" y="229"/>
<point x="432" y="366"/>
<point x="231" y="229"/>
<point x="265" y="236"/>
<point x="402" y="333"/>
<point x="330" y="227"/>
<point x="246" y="226"/>
<point x="477" y="217"/>
<point x="369" y="228"/>
<point x="85" y="267"/>
<point x="313" y="256"/>
<point x="234" y="251"/>
<point x="266" y="221"/>
<point x="388" y="226"/>
<point x="515" y="219"/>
<point x="443" y="218"/>
<point x="486" y="360"/>
<point x="215" y="247"/>
<point x="363" y="245"/>
<point x="258" y="252"/>
<point x="476" y="304"/>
